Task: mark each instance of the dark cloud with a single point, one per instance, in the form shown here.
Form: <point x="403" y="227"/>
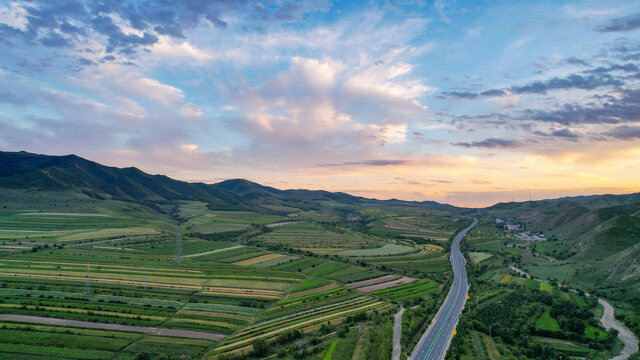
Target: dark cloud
<point x="418" y="133"/>
<point x="74" y="18"/>
<point x="575" y="81"/>
<point x="575" y="61"/>
<point x="493" y="92"/>
<point x="625" y="109"/>
<point x="589" y="79"/>
<point x="375" y="162"/>
<point x="625" y="132"/>
<point x="491" y="143"/>
<point x="461" y="94"/>
<point x="565" y="133"/>
<point x="622" y="24"/>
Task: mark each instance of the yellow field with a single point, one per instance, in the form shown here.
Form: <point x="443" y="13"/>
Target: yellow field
<point x="506" y="279"/>
<point x="258" y="259"/>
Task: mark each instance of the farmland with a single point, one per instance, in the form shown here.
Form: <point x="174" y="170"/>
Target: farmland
<point x="82" y="278"/>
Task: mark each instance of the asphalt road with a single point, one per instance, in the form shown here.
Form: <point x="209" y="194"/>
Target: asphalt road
<point x="434" y="343"/>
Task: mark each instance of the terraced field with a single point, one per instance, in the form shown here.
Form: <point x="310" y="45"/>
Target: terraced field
<point x="23" y="231"/>
<point x="200" y="219"/>
<point x="303" y="310"/>
<point x="300" y="236"/>
<point x="117" y="292"/>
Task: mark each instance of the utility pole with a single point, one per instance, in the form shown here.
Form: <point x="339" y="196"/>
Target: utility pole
<point x="146" y="276"/>
<point x="178" y="255"/>
<point x="87" y="282"/>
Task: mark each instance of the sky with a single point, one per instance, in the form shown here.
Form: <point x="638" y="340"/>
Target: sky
<point x="463" y="102"/>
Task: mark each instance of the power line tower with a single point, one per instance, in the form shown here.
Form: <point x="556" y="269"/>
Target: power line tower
<point x="178" y="255"/>
<point x="87" y="282"/>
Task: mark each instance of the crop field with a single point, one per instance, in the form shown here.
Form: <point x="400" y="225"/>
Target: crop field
<point x="410" y="290"/>
<point x="478" y="257"/>
<point x="100" y="279"/>
<point x="344" y="273"/>
<point x="385" y="250"/>
<point x="144" y="296"/>
<point x="309" y="305"/>
<point x="316" y="241"/>
<point x="201" y="219"/>
<point x="299" y="265"/>
<point x="428" y="264"/>
<point x="22" y="231"/>
<point x="418" y="227"/>
<point x="385" y="285"/>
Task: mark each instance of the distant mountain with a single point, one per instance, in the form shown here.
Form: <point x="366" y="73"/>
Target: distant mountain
<point x="56" y="173"/>
<point x="37" y="172"/>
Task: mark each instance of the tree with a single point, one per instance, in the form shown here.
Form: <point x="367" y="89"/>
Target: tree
<point x="260" y="347"/>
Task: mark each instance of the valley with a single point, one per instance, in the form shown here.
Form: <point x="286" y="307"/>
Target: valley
<point x="242" y="271"/>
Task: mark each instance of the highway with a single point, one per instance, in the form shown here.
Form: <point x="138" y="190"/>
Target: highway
<point x="435" y="341"/>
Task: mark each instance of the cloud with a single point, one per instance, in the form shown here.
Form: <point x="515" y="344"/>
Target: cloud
<point x="621" y="24"/>
<point x="492" y="143"/>
<point x="613" y="110"/>
<point x="375" y="162"/>
<point x="573" y="81"/>
<point x="624" y="132"/>
<point x="441" y="6"/>
<point x="565" y="133"/>
<point x="590" y="79"/>
<point x="14" y="16"/>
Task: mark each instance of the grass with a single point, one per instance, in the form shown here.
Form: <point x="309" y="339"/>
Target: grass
<point x="478" y="257"/>
<point x="346" y="346"/>
<point x="594" y="333"/>
<point x="546" y="322"/>
<point x="329" y="353"/>
<point x="310" y="283"/>
<point x="544" y="286"/>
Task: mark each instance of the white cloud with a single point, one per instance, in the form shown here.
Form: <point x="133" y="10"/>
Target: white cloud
<point x="14" y="16"/>
<point x="168" y="48"/>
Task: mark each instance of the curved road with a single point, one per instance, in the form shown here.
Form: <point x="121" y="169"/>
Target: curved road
<point x="435" y="341"/>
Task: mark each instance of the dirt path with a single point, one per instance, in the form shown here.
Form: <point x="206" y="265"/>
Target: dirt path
<point x="624" y="334"/>
<point x="397" y="332"/>
<point x="214" y="251"/>
<point x="282" y="224"/>
<point x="117" y="327"/>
